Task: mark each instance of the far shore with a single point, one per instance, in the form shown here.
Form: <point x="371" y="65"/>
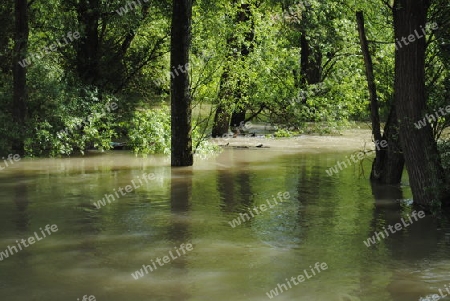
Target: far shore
<point x="348" y="140"/>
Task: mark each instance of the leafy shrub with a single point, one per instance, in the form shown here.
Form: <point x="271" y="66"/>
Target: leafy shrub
<point x="80" y="122"/>
<point x="444" y="150"/>
<point x="200" y="143"/>
<point x="148" y="131"/>
<point x="283" y="133"/>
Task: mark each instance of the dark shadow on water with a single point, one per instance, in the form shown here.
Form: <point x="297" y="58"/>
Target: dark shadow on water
<point x="21" y="199"/>
<point x="414" y="243"/>
<point x="179" y="229"/>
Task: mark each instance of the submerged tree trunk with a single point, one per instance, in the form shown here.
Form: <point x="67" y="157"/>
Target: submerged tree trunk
<point x="388" y="168"/>
<point x="181" y="111"/>
<point x="388" y="164"/>
<point x="19" y="107"/>
<point x="422" y="160"/>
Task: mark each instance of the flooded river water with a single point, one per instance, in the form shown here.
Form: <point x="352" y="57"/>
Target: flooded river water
<point x="211" y="242"/>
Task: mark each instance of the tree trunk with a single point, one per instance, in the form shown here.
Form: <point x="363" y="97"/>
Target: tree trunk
<point x="244" y="15"/>
<point x="181" y="111"/>
<point x="238" y="118"/>
<point x="422" y="160"/>
<point x="88" y="14"/>
<point x="19" y="107"/>
<point x="374" y="116"/>
<point x="388" y="164"/>
<point x="6" y="32"/>
<point x="310" y="65"/>
<point x="388" y="167"/>
<point x="222" y="115"/>
<point x="310" y="62"/>
<point x="221" y="122"/>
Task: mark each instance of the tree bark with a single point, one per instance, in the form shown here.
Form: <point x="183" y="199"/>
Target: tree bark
<point x="88" y="58"/>
<point x="310" y="62"/>
<point x="388" y="164"/>
<point x="19" y="107"/>
<point x="422" y="160"/>
<point x="6" y="32"/>
<point x="181" y="111"/>
<point x="392" y="161"/>
<point x="221" y="122"/>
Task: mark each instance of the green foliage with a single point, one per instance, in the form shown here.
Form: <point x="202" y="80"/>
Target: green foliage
<point x="201" y="145"/>
<point x="444" y="151"/>
<point x="133" y="52"/>
<point x="283" y="133"/>
<point x="148" y="131"/>
<point x="63" y="116"/>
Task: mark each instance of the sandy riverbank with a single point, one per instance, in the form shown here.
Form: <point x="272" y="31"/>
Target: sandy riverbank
<point x="349" y="140"/>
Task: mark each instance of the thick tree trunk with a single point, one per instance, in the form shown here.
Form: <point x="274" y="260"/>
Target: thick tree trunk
<point x="221" y="122"/>
<point x="393" y="162"/>
<point x="388" y="164"/>
<point x="19" y="107"/>
<point x="310" y="65"/>
<point x="238" y="118"/>
<point x="388" y="167"/>
<point x="88" y="14"/>
<point x="222" y="116"/>
<point x="6" y="32"/>
<point x="180" y="95"/>
<point x="310" y="62"/>
<point x="422" y="160"/>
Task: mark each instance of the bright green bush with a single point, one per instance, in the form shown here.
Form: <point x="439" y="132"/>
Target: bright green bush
<point x="283" y="133"/>
<point x="148" y="131"/>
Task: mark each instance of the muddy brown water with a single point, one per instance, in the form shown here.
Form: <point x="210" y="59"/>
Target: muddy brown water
<point x="326" y="219"/>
